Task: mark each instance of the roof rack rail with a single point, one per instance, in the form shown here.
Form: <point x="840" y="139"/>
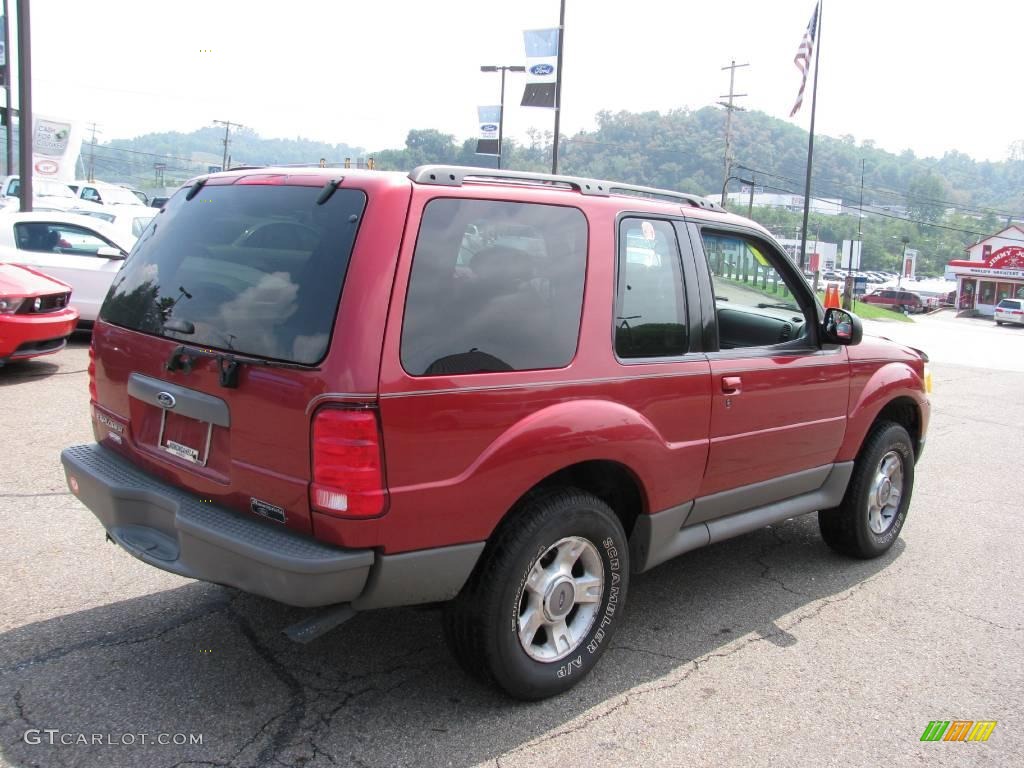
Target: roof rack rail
<point x="456" y="175"/>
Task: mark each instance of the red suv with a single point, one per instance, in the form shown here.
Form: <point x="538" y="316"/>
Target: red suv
<point x="505" y="390"/>
<point x="890" y="298"/>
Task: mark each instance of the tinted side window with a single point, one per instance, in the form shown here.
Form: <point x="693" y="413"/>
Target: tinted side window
<point x="650" y="314"/>
<point x="495" y="286"/>
<point x="756" y="305"/>
<point x="58" y="238"/>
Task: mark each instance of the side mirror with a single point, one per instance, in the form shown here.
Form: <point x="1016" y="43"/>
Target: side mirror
<point x="841" y="327"/>
<point x="109" y="252"/>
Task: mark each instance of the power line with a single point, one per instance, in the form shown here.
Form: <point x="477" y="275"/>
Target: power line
<point x="918" y="222"/>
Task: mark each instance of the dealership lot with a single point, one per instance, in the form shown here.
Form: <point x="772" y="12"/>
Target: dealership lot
<point x="766" y="648"/>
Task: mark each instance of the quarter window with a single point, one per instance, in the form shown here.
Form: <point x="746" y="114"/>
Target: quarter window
<point x="650" y="313"/>
<point x="495" y="286"/>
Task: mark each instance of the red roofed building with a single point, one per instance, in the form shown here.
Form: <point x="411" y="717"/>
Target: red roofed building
<point x="993" y="271"/>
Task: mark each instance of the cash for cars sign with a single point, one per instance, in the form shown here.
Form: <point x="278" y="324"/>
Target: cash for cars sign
<point x="56" y="145"/>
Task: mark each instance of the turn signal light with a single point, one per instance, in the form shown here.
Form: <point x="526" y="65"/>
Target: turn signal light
<point x="348" y="469"/>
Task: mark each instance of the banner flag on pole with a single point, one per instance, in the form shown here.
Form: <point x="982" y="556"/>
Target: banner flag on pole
<point x="487" y="142"/>
<point x="803" y="57"/>
<point x="541" y="67"/>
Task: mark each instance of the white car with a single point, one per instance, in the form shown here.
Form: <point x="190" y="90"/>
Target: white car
<point x="47" y="194"/>
<point x="1010" y="311"/>
<point x="104" y="194"/>
<point x="81" y="251"/>
<point x="130" y="219"/>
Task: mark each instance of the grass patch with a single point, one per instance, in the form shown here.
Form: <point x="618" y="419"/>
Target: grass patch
<point x="873" y="312"/>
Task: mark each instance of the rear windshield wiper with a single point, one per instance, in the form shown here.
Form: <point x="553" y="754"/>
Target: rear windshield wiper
<point x="183" y="357"/>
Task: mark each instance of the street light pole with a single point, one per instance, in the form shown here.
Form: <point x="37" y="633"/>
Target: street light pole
<point x="903" y="262"/>
<point x="501" y="109"/>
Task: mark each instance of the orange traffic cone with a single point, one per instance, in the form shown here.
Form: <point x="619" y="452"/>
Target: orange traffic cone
<point x="832" y="297"/>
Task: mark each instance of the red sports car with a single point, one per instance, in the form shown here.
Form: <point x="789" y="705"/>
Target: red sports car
<point x="35" y="318"/>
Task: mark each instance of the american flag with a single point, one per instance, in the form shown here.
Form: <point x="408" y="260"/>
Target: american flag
<point x="803" y="57"/>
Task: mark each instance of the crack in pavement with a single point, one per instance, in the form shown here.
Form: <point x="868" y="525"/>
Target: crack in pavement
<point x="295" y="710"/>
<point x="53" y="654"/>
<point x="991" y="623"/>
<point x="760" y="560"/>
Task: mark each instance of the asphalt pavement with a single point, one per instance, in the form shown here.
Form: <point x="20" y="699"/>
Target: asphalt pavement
<point x="768" y="649"/>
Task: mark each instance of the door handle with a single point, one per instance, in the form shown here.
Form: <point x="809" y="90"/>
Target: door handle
<point x="731" y="385"/>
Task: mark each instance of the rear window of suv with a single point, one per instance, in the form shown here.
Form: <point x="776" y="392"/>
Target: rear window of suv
<point x="247" y="268"/>
<point x="495" y="286"/>
<point x="1009" y="304"/>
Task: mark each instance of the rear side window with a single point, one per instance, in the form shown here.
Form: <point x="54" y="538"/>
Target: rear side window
<point x="495" y="286"/>
<point x="650" y="315"/>
<point x="247" y="268"/>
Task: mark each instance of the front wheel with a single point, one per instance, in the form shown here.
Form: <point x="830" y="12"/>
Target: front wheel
<point x="871" y="515"/>
<point x="540" y="608"/>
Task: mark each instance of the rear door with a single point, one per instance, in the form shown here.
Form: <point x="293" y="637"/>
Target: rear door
<point x="779" y="400"/>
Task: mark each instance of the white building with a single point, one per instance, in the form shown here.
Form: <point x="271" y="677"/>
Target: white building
<point x="795" y="203"/>
<point x="992" y="271"/>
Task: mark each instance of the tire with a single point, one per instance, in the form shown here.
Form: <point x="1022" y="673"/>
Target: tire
<point x="483" y="624"/>
<point x="999" y="322"/>
<point x="868" y="521"/>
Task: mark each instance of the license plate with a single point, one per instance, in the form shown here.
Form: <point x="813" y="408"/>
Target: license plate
<point x="182" y="451"/>
<point x="179" y="433"/>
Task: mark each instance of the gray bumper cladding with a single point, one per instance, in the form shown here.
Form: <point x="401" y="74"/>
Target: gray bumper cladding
<point x="172" y="530"/>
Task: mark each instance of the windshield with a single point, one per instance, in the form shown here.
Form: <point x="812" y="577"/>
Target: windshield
<point x="253" y="269"/>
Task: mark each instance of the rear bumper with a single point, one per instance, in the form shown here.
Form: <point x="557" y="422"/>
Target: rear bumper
<point x="175" y="531"/>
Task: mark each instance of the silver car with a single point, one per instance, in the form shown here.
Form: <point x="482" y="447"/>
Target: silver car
<point x="1010" y="311"/>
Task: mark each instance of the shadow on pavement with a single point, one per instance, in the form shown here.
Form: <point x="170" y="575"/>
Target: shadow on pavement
<point x="382" y="689"/>
<point x="18" y="371"/>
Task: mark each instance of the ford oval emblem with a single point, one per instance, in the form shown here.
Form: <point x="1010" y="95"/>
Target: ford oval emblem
<point x="541" y="70"/>
<point x="488" y="128"/>
<point x="166" y="399"/>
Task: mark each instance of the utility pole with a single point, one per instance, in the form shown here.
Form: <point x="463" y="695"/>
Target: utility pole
<point x="729" y="108"/>
<point x="227" y="139"/>
<point x="8" y="111"/>
<point x="92" y="154"/>
<point x="558" y="87"/>
<point x="848" y="302"/>
<point x="25" y="122"/>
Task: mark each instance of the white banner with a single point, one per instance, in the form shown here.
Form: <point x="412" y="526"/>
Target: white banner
<point x="56" y="145"/>
<point x="541" y="67"/>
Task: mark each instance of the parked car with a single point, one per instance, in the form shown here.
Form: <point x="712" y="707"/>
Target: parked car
<point x="35" y="316"/>
<point x="1010" y="311"/>
<point x="102" y="193"/>
<point x="158" y="202"/>
<point x="132" y="220"/>
<point x="898" y="300"/>
<point x="46" y="194"/>
<point x="400" y="411"/>
<point x="83" y="252"/>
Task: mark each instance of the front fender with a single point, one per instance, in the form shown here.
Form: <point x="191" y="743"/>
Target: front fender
<point x="872" y="388"/>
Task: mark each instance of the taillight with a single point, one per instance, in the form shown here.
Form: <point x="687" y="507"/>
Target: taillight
<point x="348" y="471"/>
<point x="92" y="371"/>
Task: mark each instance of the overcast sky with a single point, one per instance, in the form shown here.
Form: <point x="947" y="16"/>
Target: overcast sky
<point x="908" y="74"/>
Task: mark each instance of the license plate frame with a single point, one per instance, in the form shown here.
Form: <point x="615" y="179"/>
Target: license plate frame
<point x="182" y="451"/>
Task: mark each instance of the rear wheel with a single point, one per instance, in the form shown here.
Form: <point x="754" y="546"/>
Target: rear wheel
<point x="540" y="608"/>
<point x="999" y="322"/>
<point x="872" y="513"/>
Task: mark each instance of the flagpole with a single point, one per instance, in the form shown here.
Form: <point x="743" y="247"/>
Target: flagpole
<point x="810" y="144"/>
<point x="558" y="87"/>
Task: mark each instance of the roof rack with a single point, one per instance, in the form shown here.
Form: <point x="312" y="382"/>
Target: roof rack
<point x="456" y="175"/>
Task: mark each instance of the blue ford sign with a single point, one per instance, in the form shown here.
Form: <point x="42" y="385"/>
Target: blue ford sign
<point x="541" y="70"/>
<point x="488" y="128"/>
